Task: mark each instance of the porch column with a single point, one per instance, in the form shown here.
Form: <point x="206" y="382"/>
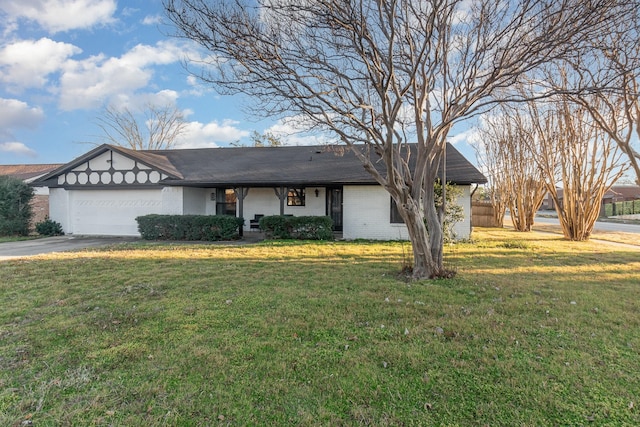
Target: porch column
<point x="282" y="195"/>
<point x="241" y="193"/>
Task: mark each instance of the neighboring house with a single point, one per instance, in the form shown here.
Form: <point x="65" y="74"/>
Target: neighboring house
<point x="103" y="191"/>
<point x="28" y="174"/>
<point x="621" y="193"/>
<point x="617" y="193"/>
<point x="629" y="195"/>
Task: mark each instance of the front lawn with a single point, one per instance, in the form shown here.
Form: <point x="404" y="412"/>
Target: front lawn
<point x="533" y="331"/>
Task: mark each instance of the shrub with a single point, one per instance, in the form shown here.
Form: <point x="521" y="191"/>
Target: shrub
<point x="297" y="227"/>
<point x="189" y="227"/>
<point x="48" y="227"/>
<point x="454" y="213"/>
<point x="15" y="206"/>
<point x="629" y="207"/>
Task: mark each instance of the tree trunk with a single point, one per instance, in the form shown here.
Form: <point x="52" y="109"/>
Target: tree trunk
<point x="424" y="266"/>
<point x="425" y="233"/>
<point x="434" y="227"/>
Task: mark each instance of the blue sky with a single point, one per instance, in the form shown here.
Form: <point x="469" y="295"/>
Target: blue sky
<point x="63" y="61"/>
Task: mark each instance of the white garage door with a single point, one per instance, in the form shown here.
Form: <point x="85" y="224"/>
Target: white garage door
<point x="111" y="212"/>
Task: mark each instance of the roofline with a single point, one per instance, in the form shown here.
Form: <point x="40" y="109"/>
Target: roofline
<point x="262" y="184"/>
<point x="99" y="150"/>
<point x="175" y="177"/>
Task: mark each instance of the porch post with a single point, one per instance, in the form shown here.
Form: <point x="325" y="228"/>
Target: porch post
<point x="282" y="195"/>
<point x="241" y="193"/>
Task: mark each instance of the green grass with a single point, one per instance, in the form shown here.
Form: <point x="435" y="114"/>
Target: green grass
<point x="533" y="330"/>
<point x="5" y="239"/>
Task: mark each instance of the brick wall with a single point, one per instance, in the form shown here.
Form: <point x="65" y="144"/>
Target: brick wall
<point x="367" y="210"/>
<point x="40" y="208"/>
<point x="366" y="214"/>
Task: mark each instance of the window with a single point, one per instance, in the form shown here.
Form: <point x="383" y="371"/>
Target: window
<point x="295" y="197"/>
<point x="395" y="217"/>
<point x="225" y="201"/>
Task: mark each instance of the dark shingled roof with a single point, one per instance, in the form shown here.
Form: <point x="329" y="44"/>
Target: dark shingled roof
<point x="269" y="166"/>
<point x="623" y="192"/>
<point x="27" y="172"/>
<point x="302" y="165"/>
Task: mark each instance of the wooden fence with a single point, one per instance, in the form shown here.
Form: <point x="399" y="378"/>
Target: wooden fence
<point x="482" y="215"/>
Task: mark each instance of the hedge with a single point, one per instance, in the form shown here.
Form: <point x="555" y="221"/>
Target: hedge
<point x="189" y="227"/>
<point x="297" y="227"/>
<point x="629" y="207"/>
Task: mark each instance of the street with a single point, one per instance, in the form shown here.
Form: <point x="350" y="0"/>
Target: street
<point x="600" y="225"/>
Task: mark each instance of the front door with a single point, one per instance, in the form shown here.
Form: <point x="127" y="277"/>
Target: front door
<point x="334" y="206"/>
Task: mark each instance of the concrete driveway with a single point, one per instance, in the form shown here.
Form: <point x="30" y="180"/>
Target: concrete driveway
<point x="10" y="250"/>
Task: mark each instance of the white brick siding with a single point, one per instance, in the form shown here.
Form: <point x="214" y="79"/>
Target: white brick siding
<point x="367" y="212"/>
<point x="59" y="209"/>
<point x="366" y="209"/>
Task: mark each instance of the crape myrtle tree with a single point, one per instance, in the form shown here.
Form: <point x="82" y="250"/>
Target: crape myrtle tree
<point x="508" y="152"/>
<point x="490" y="156"/>
<point x="578" y="155"/>
<point x="613" y="68"/>
<point x="379" y="75"/>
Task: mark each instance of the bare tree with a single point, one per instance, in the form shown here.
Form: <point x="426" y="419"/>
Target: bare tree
<point x="489" y="156"/>
<point x="576" y="154"/>
<point x="508" y="153"/>
<point x="385" y="73"/>
<point x="265" y="139"/>
<point x="616" y="108"/>
<point x="156" y="127"/>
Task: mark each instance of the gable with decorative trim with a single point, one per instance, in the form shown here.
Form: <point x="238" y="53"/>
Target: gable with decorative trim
<point x="111" y="168"/>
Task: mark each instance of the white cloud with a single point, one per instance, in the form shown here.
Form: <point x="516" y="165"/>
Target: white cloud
<point x="197" y="87"/>
<point x="60" y="15"/>
<point x="17" y="148"/>
<point x="9" y="28"/>
<point x="164" y="52"/>
<point x="192" y="80"/>
<point x="90" y="82"/>
<point x="129" y="11"/>
<point x="464" y="12"/>
<point x="139" y="102"/>
<point x="212" y="134"/>
<point x="18" y="114"/>
<point x="469" y="136"/>
<point x="292" y="131"/>
<point x="152" y="20"/>
<point x="28" y="63"/>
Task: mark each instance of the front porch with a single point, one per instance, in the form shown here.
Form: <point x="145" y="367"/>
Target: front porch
<point x="253" y="203"/>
